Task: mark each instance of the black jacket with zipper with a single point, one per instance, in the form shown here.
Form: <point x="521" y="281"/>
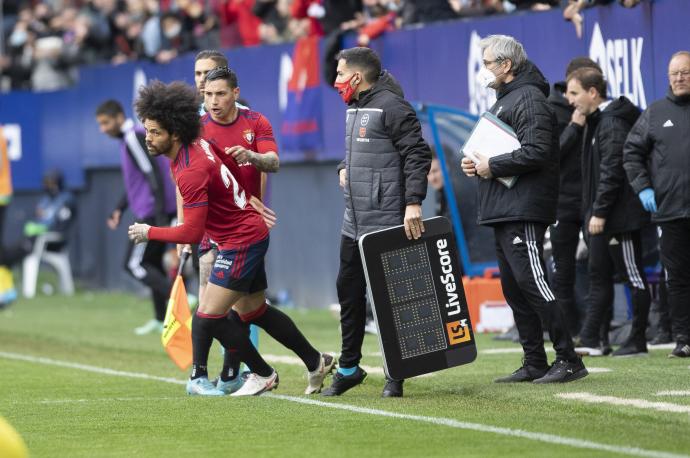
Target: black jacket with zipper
<point x="657" y="155"/>
<point x="386" y="158"/>
<point x="522" y="104"/>
<point x="606" y="192"/>
<point x="570" y="135"/>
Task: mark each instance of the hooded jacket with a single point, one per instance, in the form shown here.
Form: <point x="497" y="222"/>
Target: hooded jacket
<point x="606" y="192"/>
<point x="570" y="139"/>
<point x="386" y="158"/>
<point x="522" y="105"/>
<point x="657" y="155"/>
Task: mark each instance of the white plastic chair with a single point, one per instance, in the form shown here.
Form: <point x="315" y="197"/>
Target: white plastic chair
<point x="59" y="260"/>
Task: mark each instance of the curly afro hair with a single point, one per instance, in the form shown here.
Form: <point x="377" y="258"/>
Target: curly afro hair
<point x="174" y="106"/>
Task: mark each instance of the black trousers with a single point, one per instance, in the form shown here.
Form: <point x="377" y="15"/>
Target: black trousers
<point x="144" y="262"/>
<point x="609" y="255"/>
<point x="675" y="256"/>
<point x="352" y="295"/>
<point x="520" y="250"/>
<point x="11" y="255"/>
<point x="565" y="236"/>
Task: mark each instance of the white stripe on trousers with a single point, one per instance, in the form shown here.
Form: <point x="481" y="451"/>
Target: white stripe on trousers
<point x="629" y="259"/>
<point x="537" y="272"/>
<point x="135" y="258"/>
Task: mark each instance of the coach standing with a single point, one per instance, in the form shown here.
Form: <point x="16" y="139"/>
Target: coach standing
<point x="613" y="215"/>
<point x="521" y="214"/>
<point x="657" y="162"/>
<point x="384" y="180"/>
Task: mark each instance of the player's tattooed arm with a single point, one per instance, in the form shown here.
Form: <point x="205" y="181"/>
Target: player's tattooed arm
<point x="265" y="162"/>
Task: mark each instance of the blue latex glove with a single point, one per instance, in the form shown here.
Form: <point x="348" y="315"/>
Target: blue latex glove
<point x="647" y="199"/>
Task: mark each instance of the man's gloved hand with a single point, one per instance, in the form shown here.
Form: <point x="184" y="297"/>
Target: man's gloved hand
<point x="648" y="200"/>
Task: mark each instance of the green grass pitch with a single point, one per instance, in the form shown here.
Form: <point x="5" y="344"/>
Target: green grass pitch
<point x="55" y="395"/>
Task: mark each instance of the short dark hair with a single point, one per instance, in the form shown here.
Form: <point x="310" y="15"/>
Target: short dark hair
<point x="110" y="108"/>
<point x="174" y="106"/>
<point x="216" y="56"/>
<point x="590" y="78"/>
<point x="581" y="62"/>
<point x="223" y="73"/>
<point x="363" y="59"/>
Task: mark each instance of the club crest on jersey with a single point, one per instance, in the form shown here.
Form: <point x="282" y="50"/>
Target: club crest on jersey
<point x="248" y="135"/>
<point x="362" y="132"/>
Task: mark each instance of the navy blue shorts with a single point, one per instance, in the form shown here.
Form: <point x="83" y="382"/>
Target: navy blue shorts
<point x="241" y="269"/>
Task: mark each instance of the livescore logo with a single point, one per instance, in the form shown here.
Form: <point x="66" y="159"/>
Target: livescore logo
<point x="458" y="331"/>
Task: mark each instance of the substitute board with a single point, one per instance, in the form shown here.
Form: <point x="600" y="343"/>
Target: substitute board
<point x="415" y="288"/>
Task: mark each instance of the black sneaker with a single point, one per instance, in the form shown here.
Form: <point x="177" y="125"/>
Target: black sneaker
<point x="631" y="349"/>
<point x="562" y="371"/>
<point x="524" y="374"/>
<point x="682" y="350"/>
<point x="393" y="389"/>
<point x="342" y="383"/>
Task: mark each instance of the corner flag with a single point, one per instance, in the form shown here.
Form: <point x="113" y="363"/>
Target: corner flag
<point x="177" y="327"/>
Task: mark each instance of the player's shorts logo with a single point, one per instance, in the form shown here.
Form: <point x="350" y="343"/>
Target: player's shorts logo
<point x="458" y="332"/>
<point x="248" y="135"/>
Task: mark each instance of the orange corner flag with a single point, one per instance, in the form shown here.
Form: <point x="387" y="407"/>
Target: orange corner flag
<point x="177" y="327"/>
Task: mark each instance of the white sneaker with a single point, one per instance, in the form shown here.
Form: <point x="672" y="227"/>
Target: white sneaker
<point x="149" y="327"/>
<point x="202" y="387"/>
<point x="256" y="385"/>
<point x="316" y="378"/>
<point x="589" y="351"/>
<point x="371" y="328"/>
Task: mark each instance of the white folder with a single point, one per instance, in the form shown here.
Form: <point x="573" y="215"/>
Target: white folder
<point x="492" y="137"/>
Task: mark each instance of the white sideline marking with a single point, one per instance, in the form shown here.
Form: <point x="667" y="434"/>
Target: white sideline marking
<point x="500" y="351"/>
<point x="496" y="351"/>
<point x="75" y="401"/>
<point x="667" y="346"/>
<point x="86" y="367"/>
<point x="673" y="393"/>
<point x="294" y="360"/>
<point x="595" y="370"/>
<point x="638" y="403"/>
<point x="449" y="422"/>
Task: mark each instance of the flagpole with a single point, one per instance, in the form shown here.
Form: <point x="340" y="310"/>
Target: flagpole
<point x="183" y="258"/>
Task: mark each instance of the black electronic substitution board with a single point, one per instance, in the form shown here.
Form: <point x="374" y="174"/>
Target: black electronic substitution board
<point x="418" y="301"/>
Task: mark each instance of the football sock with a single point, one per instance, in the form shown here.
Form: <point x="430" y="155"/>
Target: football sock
<point x="347" y="371"/>
<point x="231" y="335"/>
<point x="281" y="327"/>
<point x="231" y="360"/>
<point x="201" y="344"/>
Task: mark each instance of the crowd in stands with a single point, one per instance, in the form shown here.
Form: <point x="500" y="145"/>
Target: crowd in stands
<point x="44" y="42"/>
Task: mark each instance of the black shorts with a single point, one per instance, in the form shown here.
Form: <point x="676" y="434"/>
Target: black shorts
<point x="241" y="269"/>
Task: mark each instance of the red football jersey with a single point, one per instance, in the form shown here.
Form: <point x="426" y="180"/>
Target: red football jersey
<point x="203" y="179"/>
<point x="250" y="130"/>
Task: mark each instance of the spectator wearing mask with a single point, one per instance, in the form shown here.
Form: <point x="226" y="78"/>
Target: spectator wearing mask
<point x="520" y="215"/>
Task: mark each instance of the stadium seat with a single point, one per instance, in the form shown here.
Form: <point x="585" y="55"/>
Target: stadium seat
<point x="58" y="260"/>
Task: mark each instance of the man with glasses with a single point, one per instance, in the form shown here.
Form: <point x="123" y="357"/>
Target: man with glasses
<point x="520" y="215"/>
<point x="657" y="162"/>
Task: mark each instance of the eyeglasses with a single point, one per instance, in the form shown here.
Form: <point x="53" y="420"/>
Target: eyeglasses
<point x="489" y="62"/>
<point x="684" y="74"/>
